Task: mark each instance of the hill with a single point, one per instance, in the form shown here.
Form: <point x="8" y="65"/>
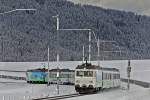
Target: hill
<point x="25" y="35"/>
<point x="137" y="6"/>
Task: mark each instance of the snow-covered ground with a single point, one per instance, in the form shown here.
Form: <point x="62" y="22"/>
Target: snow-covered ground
<point x="24" y="91"/>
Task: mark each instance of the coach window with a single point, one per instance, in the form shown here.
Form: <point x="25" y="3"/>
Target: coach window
<point x="114" y="76"/>
<point x="117" y="76"/>
<point x="104" y="76"/>
<point x="110" y="76"/>
<point x="94" y="73"/>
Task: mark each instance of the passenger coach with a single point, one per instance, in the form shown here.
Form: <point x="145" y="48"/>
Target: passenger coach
<point x="40" y="76"/>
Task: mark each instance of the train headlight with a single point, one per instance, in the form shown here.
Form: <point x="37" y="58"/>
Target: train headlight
<point x="77" y="81"/>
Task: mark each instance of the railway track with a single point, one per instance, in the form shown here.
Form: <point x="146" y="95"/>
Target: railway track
<point x="12" y="77"/>
<point x="12" y="71"/>
<point x="60" y="97"/>
<point x="13" y="82"/>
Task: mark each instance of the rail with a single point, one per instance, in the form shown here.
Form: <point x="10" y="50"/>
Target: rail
<point x="136" y="82"/>
<point x="12" y="77"/>
<point x="60" y="97"/>
<point x="12" y="71"/>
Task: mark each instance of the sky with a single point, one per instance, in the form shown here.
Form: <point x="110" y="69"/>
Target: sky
<point x="137" y="6"/>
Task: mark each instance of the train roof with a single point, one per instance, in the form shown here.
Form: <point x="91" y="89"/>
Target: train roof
<point x="90" y="66"/>
<point x="87" y="66"/>
<point x="51" y="70"/>
<point x="61" y="70"/>
<point x="38" y="70"/>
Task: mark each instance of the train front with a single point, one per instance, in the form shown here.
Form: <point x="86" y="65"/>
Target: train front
<point x="85" y="78"/>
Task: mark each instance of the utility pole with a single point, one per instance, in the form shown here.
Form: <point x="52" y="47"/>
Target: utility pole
<point x="2" y="49"/>
<point x="83" y="56"/>
<point x="98" y="47"/>
<point x="128" y="72"/>
<point x="90" y="46"/>
<point x="89" y="30"/>
<point x="58" y="72"/>
<point x="58" y="57"/>
<point x="48" y="69"/>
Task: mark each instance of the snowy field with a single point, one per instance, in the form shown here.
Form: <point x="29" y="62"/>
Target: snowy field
<point x="140" y="68"/>
<point x="24" y="91"/>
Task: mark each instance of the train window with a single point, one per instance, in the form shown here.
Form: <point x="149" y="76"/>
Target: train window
<point x="85" y="73"/>
<point x="80" y="73"/>
<point x="88" y="73"/>
<point x="53" y="75"/>
<point x="104" y="76"/>
<point x="114" y="76"/>
<point x="107" y="76"/>
<point x="110" y="76"/>
<point x="118" y="76"/>
<point x="94" y="74"/>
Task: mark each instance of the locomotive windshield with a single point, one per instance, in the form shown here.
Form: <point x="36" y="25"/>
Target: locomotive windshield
<point x="85" y="73"/>
<point x="80" y="73"/>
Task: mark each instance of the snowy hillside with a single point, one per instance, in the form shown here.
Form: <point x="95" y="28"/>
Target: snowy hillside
<point x="25" y="35"/>
<point x="138" y="6"/>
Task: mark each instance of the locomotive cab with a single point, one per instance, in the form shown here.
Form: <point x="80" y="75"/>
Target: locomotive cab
<point x="85" y="78"/>
<point x="91" y="78"/>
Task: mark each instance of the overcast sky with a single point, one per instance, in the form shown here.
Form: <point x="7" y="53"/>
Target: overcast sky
<point x="138" y="6"/>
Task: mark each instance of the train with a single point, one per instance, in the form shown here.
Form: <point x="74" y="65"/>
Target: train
<point x="36" y="76"/>
<point x="40" y="76"/>
<point x="66" y="76"/>
<point x="93" y="78"/>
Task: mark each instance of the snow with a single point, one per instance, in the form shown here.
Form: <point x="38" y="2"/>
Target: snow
<point x="19" y="91"/>
<point x="138" y="6"/>
<point x="23" y="91"/>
